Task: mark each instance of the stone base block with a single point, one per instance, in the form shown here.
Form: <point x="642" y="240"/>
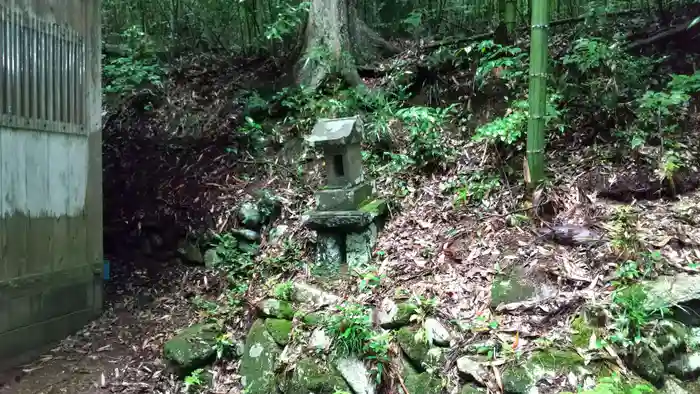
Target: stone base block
<point x="330" y="254"/>
<point x="358" y="247"/>
<point x="343" y="199"/>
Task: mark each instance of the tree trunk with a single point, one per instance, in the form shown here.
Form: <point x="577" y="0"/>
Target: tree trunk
<point x="336" y="41"/>
<point x="538" y="90"/>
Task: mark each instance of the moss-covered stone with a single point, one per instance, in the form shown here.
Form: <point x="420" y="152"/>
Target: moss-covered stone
<point x="415" y="382"/>
<point x="516" y="380"/>
<point x="279" y="329"/>
<point x="310" y="376"/>
<point x="415" y="349"/>
<point x="191" y="348"/>
<point x="557" y="360"/>
<point x="670" y="338"/>
<point x="313" y="319"/>
<point x="398" y="317"/>
<point x="376" y="207"/>
<point x="258" y="361"/>
<point x="277" y="309"/>
<point x="647" y="364"/>
<point x="511" y="286"/>
<point x="583" y="331"/>
<point x="471" y="388"/>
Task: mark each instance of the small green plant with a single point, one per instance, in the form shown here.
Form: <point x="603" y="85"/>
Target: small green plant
<point x="236" y="263"/>
<point x="422" y="307"/>
<point x="223" y="346"/>
<point x="289" y="259"/>
<point x="478" y="186"/>
<point x="428" y="144"/>
<point x="370" y="278"/>
<point x="601" y="68"/>
<point x="195" y="382"/>
<point x="633" y="310"/>
<point x="624" y="233"/>
<point x="671" y="162"/>
<point x="510" y="129"/>
<point x="615" y="385"/>
<point x="377" y="350"/>
<point x="284" y="291"/>
<point x="508" y="63"/>
<point x="289" y="18"/>
<point x="658" y="114"/>
<point x="352" y="328"/>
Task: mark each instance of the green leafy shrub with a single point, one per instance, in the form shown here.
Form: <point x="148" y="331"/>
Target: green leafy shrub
<point x="511" y="129"/>
<point x="600" y="68"/>
<point x="428" y="143"/>
<point x="137" y="67"/>
<point x="289" y="18"/>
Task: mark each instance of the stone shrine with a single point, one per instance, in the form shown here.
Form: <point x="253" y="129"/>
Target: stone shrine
<point x="347" y="216"/>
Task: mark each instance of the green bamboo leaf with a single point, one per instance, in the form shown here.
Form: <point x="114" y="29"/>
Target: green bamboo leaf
<point x="694" y="22"/>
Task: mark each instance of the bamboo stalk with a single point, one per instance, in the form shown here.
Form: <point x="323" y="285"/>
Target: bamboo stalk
<point x="539" y="56"/>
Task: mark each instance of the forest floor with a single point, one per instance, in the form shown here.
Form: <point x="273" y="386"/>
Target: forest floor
<point x="120" y="351"/>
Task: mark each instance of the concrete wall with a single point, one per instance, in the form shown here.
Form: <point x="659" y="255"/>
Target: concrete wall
<point x="50" y="172"/>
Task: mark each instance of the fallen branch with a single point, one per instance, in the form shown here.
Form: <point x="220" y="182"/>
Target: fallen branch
<point x="663" y="35"/>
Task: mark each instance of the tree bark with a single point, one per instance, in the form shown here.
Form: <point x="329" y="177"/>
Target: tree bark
<point x="336" y="41"/>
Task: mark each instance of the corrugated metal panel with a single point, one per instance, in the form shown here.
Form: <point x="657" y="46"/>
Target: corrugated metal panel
<point x="43" y="74"/>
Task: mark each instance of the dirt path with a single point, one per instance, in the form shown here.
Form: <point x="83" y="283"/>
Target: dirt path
<point x="120" y="351"/>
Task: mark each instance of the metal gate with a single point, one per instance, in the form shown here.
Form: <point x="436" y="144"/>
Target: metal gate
<point x="50" y="172"/>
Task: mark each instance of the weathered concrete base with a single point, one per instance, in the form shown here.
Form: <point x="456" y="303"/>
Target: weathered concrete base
<point x="330" y="255"/>
<point x="340" y="199"/>
<point x="346" y="238"/>
<point x="358" y="247"/>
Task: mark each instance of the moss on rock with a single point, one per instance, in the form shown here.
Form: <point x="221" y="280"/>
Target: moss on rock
<point x="647" y="364"/>
<point x="279" y="329"/>
<point x="310" y="376"/>
<point x="520" y="378"/>
<point x="471" y="388"/>
<point x="511" y="287"/>
<point x="516" y="380"/>
<point x="277" y="309"/>
<point x="258" y="361"/>
<point x="313" y="319"/>
<point x="191" y="348"/>
<point x="415" y="382"/>
<point x="415" y="350"/>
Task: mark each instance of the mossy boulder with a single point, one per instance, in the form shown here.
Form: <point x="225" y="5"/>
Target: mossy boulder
<point x="415" y="382"/>
<point x="520" y="378"/>
<point x="258" y="361"/>
<point x="646" y="364"/>
<point x="516" y="284"/>
<point x="670" y="338"/>
<point x="681" y="291"/>
<point x="470" y="388"/>
<point x="583" y="331"/>
<point x="416" y="349"/>
<point x="310" y="376"/>
<point x="313" y="319"/>
<point x="517" y="380"/>
<point x="191" y="348"/>
<point x="391" y="315"/>
<point x="279" y="329"/>
<point x="277" y="309"/>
